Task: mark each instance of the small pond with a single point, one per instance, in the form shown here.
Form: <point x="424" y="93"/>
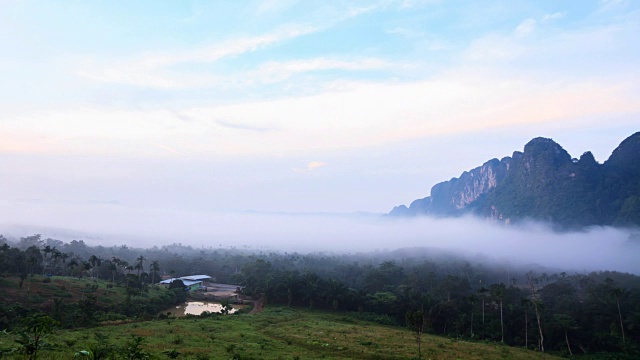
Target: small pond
<point x="198" y="307"/>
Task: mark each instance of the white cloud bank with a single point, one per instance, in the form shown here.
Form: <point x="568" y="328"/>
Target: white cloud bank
<point x="111" y="224"/>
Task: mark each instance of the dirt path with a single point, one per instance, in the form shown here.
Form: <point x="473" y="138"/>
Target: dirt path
<point x="258" y="305"/>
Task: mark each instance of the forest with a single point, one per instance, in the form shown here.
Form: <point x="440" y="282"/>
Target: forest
<point x="426" y="290"/>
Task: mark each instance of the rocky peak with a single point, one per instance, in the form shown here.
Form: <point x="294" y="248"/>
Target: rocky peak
<point x="626" y="156"/>
<point x="546" y="150"/>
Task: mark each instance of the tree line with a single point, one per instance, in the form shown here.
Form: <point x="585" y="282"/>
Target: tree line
<point x="428" y="290"/>
<point x="569" y="313"/>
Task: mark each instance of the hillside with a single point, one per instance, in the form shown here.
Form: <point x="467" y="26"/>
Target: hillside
<point x="276" y="333"/>
<point x="543" y="183"/>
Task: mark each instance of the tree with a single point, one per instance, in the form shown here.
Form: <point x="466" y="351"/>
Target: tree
<point x="310" y="283"/>
<point x="32" y="337"/>
<point x="498" y="291"/>
<point x="335" y="292"/>
<point x="482" y="294"/>
<point x="132" y="349"/>
<point x="154" y="268"/>
<point x="472" y="299"/>
<point x="565" y="322"/>
<point x="113" y="267"/>
<point x="525" y="304"/>
<point x="178" y="288"/>
<point x="45" y="252"/>
<point x="140" y="264"/>
<point x="415" y="322"/>
<point x="94" y="261"/>
<point x="535" y="300"/>
<point x="72" y="265"/>
<point x="617" y="293"/>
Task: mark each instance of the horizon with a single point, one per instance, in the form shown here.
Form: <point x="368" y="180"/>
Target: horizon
<point x="187" y="118"/>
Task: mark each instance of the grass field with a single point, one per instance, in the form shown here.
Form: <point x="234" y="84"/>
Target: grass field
<point x="277" y="333"/>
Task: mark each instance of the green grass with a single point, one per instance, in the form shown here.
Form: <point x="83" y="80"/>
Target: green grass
<point x="279" y="333"/>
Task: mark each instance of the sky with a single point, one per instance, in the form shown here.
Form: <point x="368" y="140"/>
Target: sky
<point x="115" y="110"/>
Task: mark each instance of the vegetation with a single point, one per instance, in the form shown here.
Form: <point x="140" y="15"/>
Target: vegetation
<point x="544" y="183"/>
<point x="276" y="333"/>
<point x="381" y="301"/>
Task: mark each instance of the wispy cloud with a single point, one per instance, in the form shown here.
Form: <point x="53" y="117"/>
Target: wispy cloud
<point x="158" y="69"/>
<point x="554" y="16"/>
<point x="271" y="6"/>
<point x="526" y="27"/>
<point x="154" y="69"/>
<point x="316" y="164"/>
<point x="609" y="4"/>
<point x="275" y="71"/>
<point x="245" y="127"/>
<point x="311" y="166"/>
<point x="406" y="32"/>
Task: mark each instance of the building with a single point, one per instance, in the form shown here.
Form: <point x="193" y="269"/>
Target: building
<point x="191" y="283"/>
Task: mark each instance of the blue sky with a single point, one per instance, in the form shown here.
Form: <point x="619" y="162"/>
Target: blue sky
<point x="295" y="106"/>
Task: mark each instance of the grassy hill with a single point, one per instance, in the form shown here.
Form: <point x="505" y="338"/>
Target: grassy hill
<point x="39" y="291"/>
<point x="275" y="333"/>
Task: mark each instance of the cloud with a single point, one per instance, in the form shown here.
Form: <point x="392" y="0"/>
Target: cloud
<point x="159" y="69"/>
<point x="277" y="71"/>
<point x="153" y="69"/>
<point x="311" y="166"/>
<point x="273" y="6"/>
<point x="408" y="4"/>
<point x="377" y="113"/>
<point x="609" y="4"/>
<point x="526" y="27"/>
<point x="242" y="126"/>
<point x="406" y="32"/>
<point x="315" y="164"/>
<point x="554" y="16"/>
<point x="600" y="248"/>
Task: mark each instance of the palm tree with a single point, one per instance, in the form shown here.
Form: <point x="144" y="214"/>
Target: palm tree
<point x="154" y="268"/>
<point x="55" y="255"/>
<point x="86" y="266"/>
<point x="535" y="301"/>
<point x="472" y="299"/>
<point x="140" y="264"/>
<point x="483" y="294"/>
<point x="498" y="291"/>
<point x="290" y="283"/>
<point x="113" y="267"/>
<point x="310" y="283"/>
<point x="72" y="265"/>
<point x="64" y="257"/>
<point x="525" y="304"/>
<point x="335" y="292"/>
<point x="94" y="261"/>
<point x="617" y="293"/>
<point x="46" y="251"/>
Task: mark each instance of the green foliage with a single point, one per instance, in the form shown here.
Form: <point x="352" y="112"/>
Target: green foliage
<point x="133" y="350"/>
<point x="33" y="335"/>
<point x="172" y="354"/>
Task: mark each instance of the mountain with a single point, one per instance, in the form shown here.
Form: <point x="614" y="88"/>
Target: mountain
<point x="543" y="183"/>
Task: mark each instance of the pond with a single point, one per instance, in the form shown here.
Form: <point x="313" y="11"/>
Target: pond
<point x="198" y="307"/>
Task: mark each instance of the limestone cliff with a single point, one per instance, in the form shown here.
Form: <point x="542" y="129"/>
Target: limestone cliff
<point x="544" y="183"/>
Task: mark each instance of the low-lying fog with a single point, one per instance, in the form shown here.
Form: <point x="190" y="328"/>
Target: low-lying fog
<point x="598" y="248"/>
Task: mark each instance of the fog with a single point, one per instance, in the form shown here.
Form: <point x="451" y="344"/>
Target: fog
<point x="598" y="248"/>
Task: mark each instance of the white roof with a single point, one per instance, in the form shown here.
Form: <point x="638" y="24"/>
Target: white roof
<point x="196" y="277"/>
<point x="184" y="281"/>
